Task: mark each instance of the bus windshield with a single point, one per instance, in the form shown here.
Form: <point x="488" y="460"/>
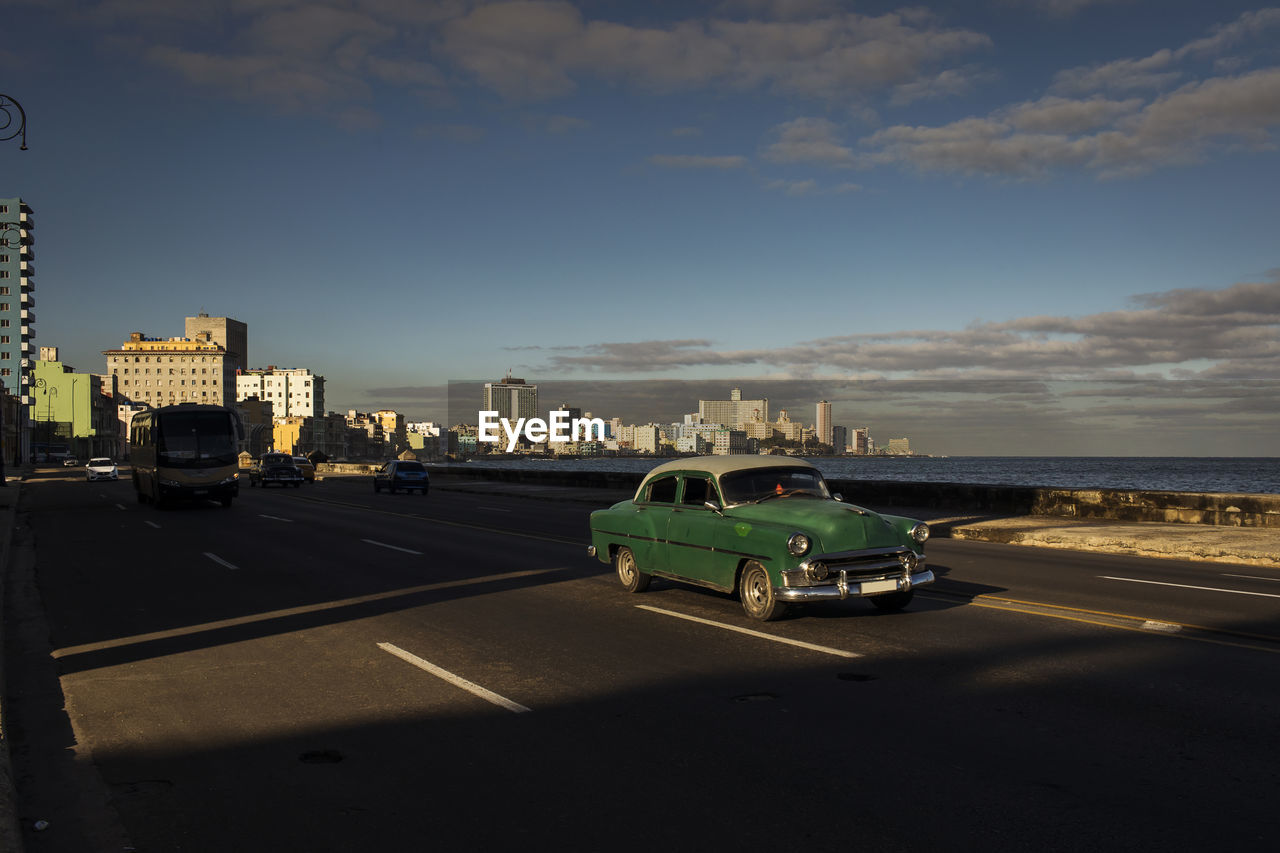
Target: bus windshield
<point x="195" y="440"/>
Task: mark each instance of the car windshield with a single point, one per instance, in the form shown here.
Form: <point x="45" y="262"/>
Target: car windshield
<point x="277" y="459"/>
<point x="410" y="466"/>
<point x="99" y="463"/>
<point x="758" y="484"/>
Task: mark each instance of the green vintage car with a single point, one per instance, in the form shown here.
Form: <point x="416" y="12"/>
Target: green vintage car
<point x="766" y="526"/>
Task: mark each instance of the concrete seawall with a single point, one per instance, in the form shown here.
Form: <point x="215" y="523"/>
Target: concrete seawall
<point x="1231" y="510"/>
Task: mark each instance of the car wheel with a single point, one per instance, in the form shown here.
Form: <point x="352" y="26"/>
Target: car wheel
<point x="376" y="487"/>
<point x="391" y="489"/>
<point x="633" y="580"/>
<point x="297" y="485"/>
<point x="892" y="601"/>
<point x="756" y="591"/>
<point x="424" y="491"/>
<point x="225" y="500"/>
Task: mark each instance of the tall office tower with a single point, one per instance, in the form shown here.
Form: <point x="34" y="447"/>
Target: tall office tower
<point x="232" y="335"/>
<point x="293" y="392"/>
<point x="840" y="439"/>
<point x="734" y="412"/>
<point x="17" y="300"/>
<point x="823" y="422"/>
<point x="511" y="398"/>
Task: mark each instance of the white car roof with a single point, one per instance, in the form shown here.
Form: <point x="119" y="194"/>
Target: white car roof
<point x="718" y="466"/>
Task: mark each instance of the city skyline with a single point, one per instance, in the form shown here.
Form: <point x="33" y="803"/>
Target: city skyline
<point x="967" y="205"/>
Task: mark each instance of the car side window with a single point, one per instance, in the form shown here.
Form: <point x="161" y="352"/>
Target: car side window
<point x="663" y="491"/>
<point x="697" y="491"/>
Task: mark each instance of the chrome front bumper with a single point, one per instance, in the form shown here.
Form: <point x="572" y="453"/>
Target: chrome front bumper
<point x="841" y="587"/>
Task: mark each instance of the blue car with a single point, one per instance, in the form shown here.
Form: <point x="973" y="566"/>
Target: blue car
<point x="403" y="474"/>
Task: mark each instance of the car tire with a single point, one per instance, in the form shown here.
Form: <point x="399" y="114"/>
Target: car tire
<point x="633" y="580"/>
<point x="391" y="489"/>
<point x="376" y="487"/>
<point x="756" y="592"/>
<point x="892" y="602"/>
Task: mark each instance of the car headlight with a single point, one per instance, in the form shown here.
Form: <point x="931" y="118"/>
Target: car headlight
<point x="799" y="544"/>
<point x="920" y="532"/>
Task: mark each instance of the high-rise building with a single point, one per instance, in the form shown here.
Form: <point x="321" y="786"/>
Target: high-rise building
<point x="293" y="392"/>
<point x="734" y="412"/>
<point x="17" y="299"/>
<point x="822" y="424"/>
<point x="162" y="372"/>
<point x="840" y="439"/>
<point x="511" y="398"/>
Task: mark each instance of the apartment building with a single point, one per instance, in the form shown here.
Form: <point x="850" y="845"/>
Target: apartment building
<point x="17" y="299"/>
<point x="293" y="392"/>
<point x="167" y="371"/>
<point x="734" y="412"/>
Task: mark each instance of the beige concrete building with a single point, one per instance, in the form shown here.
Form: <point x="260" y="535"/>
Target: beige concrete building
<point x="734" y="412"/>
<point x="167" y="371"/>
<point x="822" y="424"/>
<point x="232" y="335"/>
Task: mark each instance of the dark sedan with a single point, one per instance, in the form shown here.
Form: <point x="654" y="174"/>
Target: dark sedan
<point x="277" y="469"/>
<point x="401" y="474"/>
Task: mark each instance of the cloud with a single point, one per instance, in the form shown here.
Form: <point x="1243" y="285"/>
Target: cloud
<point x="1123" y="75"/>
<point x="559" y="125"/>
<point x="1248" y="26"/>
<point x="1230" y="333"/>
<point x="325" y="56"/>
<point x="810" y="187"/>
<point x="794" y="188"/>
<point x="1157" y="71"/>
<point x="537" y="50"/>
<point x="1111" y="138"/>
<point x="947" y="83"/>
<point x="692" y="161"/>
<point x="809" y="140"/>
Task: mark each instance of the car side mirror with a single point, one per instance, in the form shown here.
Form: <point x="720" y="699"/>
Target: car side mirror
<point x="712" y="505"/>
<point x="838" y="496"/>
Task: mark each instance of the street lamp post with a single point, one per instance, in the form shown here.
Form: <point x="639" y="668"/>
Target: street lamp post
<point x="9" y="118"/>
<point x="49" y="393"/>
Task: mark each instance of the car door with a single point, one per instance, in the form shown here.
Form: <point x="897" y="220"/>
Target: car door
<point x="649" y="532"/>
<point x="693" y="532"/>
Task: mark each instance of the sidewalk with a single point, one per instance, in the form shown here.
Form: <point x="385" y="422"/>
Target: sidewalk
<point x="1257" y="546"/>
<point x="10" y="834"/>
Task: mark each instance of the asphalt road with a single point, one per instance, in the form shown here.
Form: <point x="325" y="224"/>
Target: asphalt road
<point x="328" y="669"/>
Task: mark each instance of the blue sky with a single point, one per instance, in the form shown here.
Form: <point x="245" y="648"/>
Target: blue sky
<point x="397" y="194"/>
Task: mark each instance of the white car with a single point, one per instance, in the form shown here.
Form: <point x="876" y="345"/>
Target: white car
<point x="101" y="468"/>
